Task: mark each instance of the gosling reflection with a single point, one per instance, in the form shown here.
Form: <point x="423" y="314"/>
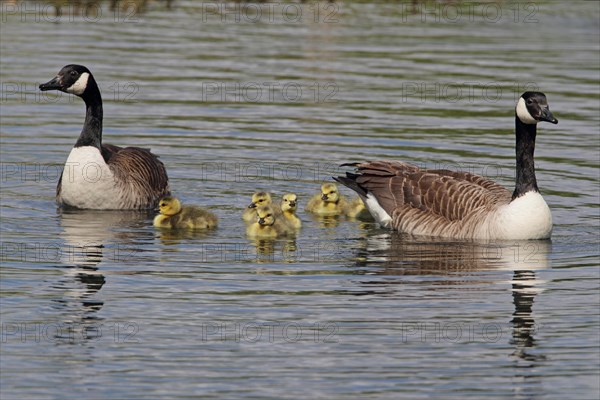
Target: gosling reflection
<point x="268" y="251"/>
<point x="175" y="237"/>
<point x="265" y="250"/>
<point x="326" y="221"/>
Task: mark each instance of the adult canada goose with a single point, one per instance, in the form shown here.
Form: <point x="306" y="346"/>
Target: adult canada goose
<point x="289" y="205"/>
<point x="328" y="202"/>
<point x="103" y="176"/>
<point x="268" y="225"/>
<point x="459" y="204"/>
<point x="175" y="216"/>
<point x="259" y="199"/>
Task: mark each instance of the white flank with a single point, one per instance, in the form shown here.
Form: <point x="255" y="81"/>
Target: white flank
<point x="523" y="113"/>
<point x="526" y="217"/>
<point x="79" y="86"/>
<point x="378" y="213"/>
<point x="87" y="181"/>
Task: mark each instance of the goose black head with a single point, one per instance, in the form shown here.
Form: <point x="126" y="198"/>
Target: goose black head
<point x="74" y="79"/>
<point x="532" y="108"/>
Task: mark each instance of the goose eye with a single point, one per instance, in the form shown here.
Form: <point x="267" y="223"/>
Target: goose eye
<point x="529" y="101"/>
<point x="73" y="73"/>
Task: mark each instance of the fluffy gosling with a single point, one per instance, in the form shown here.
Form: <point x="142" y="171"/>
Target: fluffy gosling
<point x="259" y="199"/>
<point x="289" y="205"/>
<point x="267" y="225"/>
<point x="328" y="202"/>
<point x="175" y="216"/>
<point x="357" y="209"/>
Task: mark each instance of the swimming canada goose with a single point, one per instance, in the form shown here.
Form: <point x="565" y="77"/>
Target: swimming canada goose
<point x="175" y="216"/>
<point x="328" y="202"/>
<point x="103" y="176"/>
<point x="457" y="204"/>
<point x="289" y="205"/>
<point x="268" y="225"/>
<point x="259" y="199"/>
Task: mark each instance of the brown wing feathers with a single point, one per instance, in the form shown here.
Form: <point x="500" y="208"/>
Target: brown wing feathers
<point x="108" y="150"/>
<point x="141" y="175"/>
<point x="415" y="197"/>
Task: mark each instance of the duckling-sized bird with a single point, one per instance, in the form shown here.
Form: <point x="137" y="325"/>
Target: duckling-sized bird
<point x="102" y="176"/>
<point x="175" y="216"/>
<point x="267" y="225"/>
<point x="458" y="204"/>
<point x="259" y="199"/>
<point x="357" y="210"/>
<point x="289" y="205"/>
<point x="328" y="202"/>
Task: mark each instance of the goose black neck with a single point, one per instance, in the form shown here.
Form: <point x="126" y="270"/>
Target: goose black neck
<point x="91" y="134"/>
<point x="525" y="148"/>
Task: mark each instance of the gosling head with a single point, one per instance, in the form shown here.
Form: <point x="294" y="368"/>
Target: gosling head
<point x="169" y="206"/>
<point x="329" y="193"/>
<point x="289" y="202"/>
<point x="74" y="79"/>
<point x="532" y="108"/>
<point x="260" y="199"/>
<point x="265" y="215"/>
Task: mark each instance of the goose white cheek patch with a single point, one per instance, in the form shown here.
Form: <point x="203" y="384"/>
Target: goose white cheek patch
<point x="523" y="113"/>
<point x="79" y="86"/>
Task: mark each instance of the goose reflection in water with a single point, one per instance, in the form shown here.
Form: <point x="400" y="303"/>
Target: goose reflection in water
<point x="90" y="238"/>
<point x="393" y="254"/>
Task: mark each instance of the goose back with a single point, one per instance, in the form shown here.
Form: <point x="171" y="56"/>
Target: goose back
<point x="113" y="178"/>
<point x="427" y="202"/>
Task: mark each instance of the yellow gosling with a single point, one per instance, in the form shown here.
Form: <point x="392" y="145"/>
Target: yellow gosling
<point x="289" y="205"/>
<point x="259" y="199"/>
<point x="175" y="216"/>
<point x="357" y="209"/>
<point x="328" y="202"/>
<point x="267" y="225"/>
